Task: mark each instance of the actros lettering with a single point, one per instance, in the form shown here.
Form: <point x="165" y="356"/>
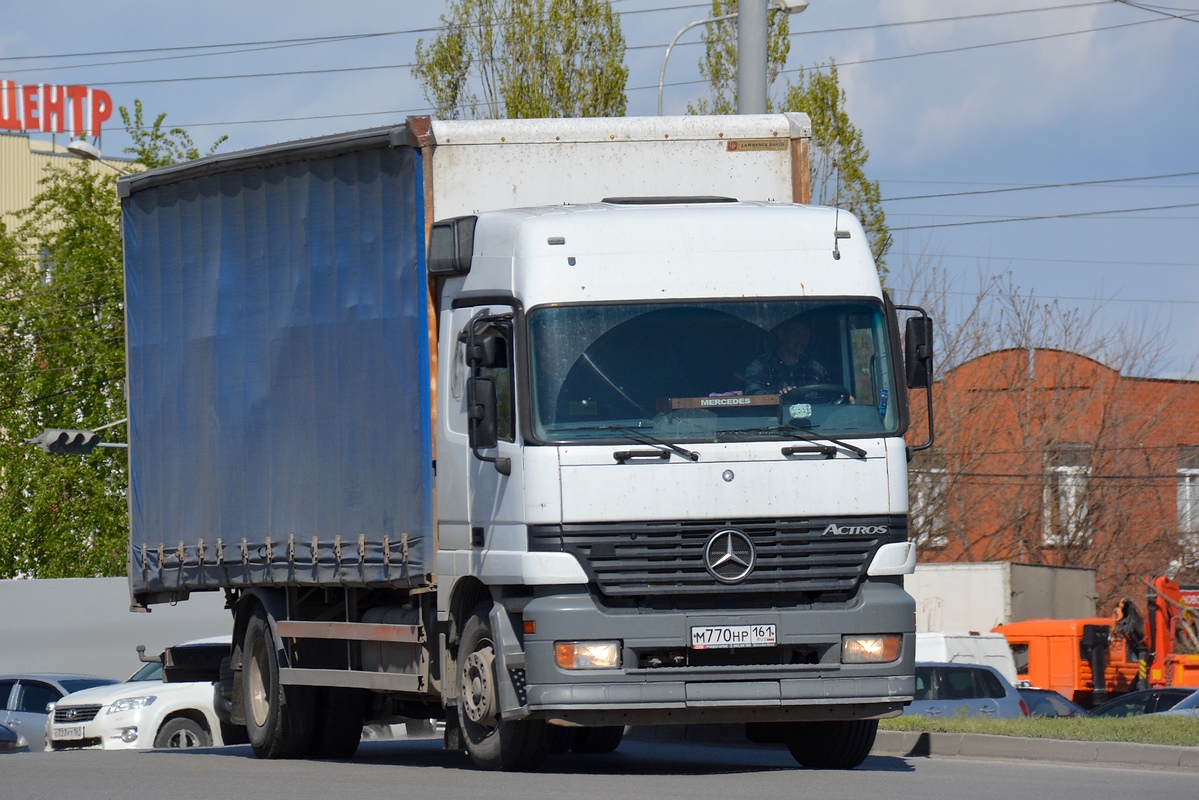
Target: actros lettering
<point x="855" y="530"/>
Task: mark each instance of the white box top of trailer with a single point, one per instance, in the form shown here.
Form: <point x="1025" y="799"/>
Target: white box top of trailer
<point x="484" y="165"/>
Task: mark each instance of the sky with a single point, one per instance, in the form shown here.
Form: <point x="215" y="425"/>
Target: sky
<point x="1080" y="115"/>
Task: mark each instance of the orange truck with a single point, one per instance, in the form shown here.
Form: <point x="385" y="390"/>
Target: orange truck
<point x="1065" y="655"/>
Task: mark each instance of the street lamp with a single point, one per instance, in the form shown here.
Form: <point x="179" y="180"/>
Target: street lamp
<point x="82" y="148"/>
<point x="788" y="6"/>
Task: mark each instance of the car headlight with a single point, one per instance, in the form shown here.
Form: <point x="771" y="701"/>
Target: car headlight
<point x="870" y="649"/>
<point x="131" y="703"/>
<point x="587" y="655"/>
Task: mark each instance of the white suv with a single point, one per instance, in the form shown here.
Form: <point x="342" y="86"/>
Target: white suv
<point x="143" y="712"/>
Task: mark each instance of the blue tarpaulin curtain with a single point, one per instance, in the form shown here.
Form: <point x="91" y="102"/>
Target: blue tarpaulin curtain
<point x="279" y="375"/>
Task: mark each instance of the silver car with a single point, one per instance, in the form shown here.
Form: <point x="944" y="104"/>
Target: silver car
<point x="23" y="700"/>
<point x="968" y="690"/>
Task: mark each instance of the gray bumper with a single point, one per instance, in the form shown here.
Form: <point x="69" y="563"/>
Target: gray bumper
<point x="637" y="694"/>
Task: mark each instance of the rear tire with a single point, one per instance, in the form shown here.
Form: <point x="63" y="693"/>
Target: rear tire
<point x="831" y="745"/>
<point x="492" y="742"/>
<point x="278" y="718"/>
<point x="339" y="717"/>
<point x="181" y="733"/>
<point x="598" y="740"/>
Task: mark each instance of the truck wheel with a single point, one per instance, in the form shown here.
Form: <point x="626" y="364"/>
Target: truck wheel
<point x="181" y="732"/>
<point x="338" y="729"/>
<point x="832" y="745"/>
<point x="598" y="740"/>
<point x="278" y="718"/>
<point x="492" y="742"/>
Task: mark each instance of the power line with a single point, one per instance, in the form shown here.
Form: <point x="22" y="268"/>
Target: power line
<point x="336" y="70"/>
<point x="236" y="48"/>
<point x="1088" y="299"/>
<point x="1030" y="187"/>
<point x="1074" y="215"/>
<point x="1161" y="10"/>
<point x="1057" y="260"/>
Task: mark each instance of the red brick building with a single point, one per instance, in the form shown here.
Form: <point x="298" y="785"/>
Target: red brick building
<point x="1049" y="457"/>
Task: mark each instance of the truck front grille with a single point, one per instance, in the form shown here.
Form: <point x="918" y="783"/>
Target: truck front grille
<point x="798" y="557"/>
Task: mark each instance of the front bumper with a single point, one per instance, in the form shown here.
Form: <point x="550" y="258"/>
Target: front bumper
<point x="802" y="678"/>
<point x="129" y="730"/>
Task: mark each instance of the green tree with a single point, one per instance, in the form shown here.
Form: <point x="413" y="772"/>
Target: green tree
<point x="839" y="154"/>
<point x="155" y="147"/>
<point x="62" y="364"/>
<point x="522" y="59"/>
<point x="63" y="360"/>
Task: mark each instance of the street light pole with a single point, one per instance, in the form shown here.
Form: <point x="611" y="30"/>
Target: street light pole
<point x="752" y="24"/>
<point x="673" y="42"/>
<point x="752" y="34"/>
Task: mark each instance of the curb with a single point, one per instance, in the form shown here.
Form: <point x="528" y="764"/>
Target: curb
<point x="913" y="744"/>
<point x="981" y="745"/>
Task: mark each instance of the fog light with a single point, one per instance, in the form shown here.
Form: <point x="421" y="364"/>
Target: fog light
<point x="870" y="649"/>
<point x="587" y="655"/>
<point x="129" y="735"/>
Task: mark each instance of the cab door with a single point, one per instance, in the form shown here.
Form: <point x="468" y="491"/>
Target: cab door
<point x="479" y="466"/>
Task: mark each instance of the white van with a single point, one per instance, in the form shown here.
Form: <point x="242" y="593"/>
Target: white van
<point x="967" y="647"/>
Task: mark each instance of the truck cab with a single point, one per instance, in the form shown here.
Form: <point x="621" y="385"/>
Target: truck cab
<point x="653" y="515"/>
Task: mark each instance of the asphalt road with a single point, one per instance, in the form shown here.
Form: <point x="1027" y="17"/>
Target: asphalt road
<point x="638" y="769"/>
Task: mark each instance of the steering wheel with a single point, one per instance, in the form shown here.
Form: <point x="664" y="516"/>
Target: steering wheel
<point x="819" y="394"/>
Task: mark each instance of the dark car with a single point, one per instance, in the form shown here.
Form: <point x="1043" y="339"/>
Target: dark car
<point x="1146" y="701"/>
<point x="960" y="689"/>
<point x="1048" y="703"/>
<point x="23" y="701"/>
<point x="10" y="742"/>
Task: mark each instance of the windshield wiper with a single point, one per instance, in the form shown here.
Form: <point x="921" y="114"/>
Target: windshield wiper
<point x="637" y="433"/>
<point x="641" y="436"/>
<point x="799" y="433"/>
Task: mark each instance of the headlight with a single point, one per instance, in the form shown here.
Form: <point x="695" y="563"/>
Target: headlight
<point x="587" y="655"/>
<point x="874" y="649"/>
<point x="131" y="703"/>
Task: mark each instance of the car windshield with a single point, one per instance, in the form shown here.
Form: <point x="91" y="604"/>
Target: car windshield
<point x="1191" y="701"/>
<point x="711" y="371"/>
<point x="151" y="671"/>
<point x="79" y="684"/>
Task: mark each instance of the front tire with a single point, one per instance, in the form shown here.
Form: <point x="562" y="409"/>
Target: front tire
<point x="832" y="745"/>
<point x="598" y="740"/>
<point x="181" y="733"/>
<point x="492" y="742"/>
<point x="278" y="718"/>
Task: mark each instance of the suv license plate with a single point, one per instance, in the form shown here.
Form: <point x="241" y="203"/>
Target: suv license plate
<point x="67" y="734"/>
<point x="705" y="636"/>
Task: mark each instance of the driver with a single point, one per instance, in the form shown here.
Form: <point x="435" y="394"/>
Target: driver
<point x="787" y="364"/>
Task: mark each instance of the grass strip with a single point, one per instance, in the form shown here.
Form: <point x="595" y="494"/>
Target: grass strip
<point x="1145" y="729"/>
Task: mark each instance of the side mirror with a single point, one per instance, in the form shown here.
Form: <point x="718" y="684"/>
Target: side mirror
<point x="481" y="413"/>
<point x="918" y="352"/>
<point x="482" y="349"/>
<point x="451" y="246"/>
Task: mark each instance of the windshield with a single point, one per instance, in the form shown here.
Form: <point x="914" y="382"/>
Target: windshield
<point x="79" y="684"/>
<point x="712" y="371"/>
<point x="152" y="671"/>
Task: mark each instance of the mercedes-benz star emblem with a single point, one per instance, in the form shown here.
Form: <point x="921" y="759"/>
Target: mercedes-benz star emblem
<point x="729" y="556"/>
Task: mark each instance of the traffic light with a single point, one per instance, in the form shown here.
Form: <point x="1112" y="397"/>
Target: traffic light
<point x="66" y="442"/>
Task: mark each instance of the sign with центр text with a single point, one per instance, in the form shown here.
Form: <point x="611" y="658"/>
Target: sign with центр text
<point x="47" y="108"/>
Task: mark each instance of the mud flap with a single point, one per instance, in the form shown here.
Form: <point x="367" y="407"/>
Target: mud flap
<point x="510" y="665"/>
